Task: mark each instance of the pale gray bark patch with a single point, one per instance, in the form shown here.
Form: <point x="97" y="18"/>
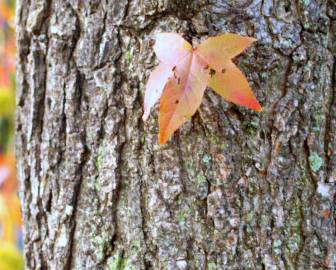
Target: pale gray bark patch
<point x="233" y="189"/>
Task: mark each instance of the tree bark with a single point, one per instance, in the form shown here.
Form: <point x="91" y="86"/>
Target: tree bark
<point x="233" y="189"/>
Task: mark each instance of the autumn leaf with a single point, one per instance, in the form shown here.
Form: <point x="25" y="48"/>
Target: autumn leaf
<point x="6" y="12"/>
<point x="156" y="82"/>
<point x="9" y="201"/>
<point x="8" y="184"/>
<point x="178" y="49"/>
<point x="184" y="72"/>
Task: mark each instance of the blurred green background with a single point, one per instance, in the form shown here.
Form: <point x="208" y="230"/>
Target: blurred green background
<point x="10" y="219"/>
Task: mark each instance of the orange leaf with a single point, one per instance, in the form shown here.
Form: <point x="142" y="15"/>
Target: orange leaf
<point x="232" y="85"/>
<point x="6" y="12"/>
<point x="221" y="49"/>
<point x="169" y="48"/>
<point x="184" y="73"/>
<point x="4" y="78"/>
<point x="156" y="82"/>
<point x="7" y="174"/>
<point x="182" y="95"/>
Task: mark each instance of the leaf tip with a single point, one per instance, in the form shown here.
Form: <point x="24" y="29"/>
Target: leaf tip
<point x="146" y="111"/>
<point x="144" y="116"/>
<point x="258" y="108"/>
<point x="162" y="140"/>
<point x="164" y="136"/>
<point x="253" y="39"/>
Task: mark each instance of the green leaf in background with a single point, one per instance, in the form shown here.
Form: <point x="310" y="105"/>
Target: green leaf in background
<point x="6" y="128"/>
<point x="7" y="102"/>
<point x="12" y="4"/>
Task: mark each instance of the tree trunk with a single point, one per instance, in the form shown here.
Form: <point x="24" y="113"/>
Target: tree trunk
<point x="233" y="189"/>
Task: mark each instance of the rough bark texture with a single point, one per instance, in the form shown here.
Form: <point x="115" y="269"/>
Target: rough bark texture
<point x="233" y="189"/>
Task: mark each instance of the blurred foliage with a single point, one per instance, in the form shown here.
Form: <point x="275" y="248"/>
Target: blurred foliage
<point x="10" y="257"/>
<point x="7" y="102"/>
<point x="10" y="218"/>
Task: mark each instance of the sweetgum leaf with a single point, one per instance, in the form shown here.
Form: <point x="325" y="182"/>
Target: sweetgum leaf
<point x="232" y="85"/>
<point x="170" y="48"/>
<point x="221" y="49"/>
<point x="183" y="74"/>
<point x="182" y="95"/>
<point x="156" y="82"/>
